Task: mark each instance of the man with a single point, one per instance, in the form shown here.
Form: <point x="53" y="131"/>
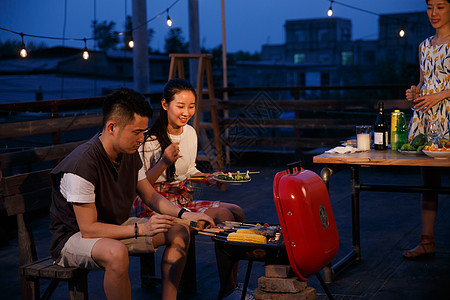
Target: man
<point x="93" y="191"/>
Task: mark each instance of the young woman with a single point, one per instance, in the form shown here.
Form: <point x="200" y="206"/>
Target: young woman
<point x="169" y="152"/>
<point x="431" y="103"/>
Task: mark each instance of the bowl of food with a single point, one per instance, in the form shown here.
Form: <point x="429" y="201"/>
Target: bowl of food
<point x="438" y="154"/>
<point x="440" y="149"/>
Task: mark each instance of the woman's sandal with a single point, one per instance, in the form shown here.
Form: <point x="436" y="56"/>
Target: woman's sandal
<point x="426" y="247"/>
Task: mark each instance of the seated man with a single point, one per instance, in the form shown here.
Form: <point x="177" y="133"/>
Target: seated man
<point x="93" y="191"/>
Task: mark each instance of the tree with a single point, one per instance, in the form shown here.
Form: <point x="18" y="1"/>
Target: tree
<point x="105" y="35"/>
<point x="175" y="42"/>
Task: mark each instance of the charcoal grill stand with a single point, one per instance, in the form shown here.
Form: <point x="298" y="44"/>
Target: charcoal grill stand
<point x="228" y="253"/>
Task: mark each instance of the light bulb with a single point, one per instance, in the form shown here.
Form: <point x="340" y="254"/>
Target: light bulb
<point x="169" y="21"/>
<point x="330" y="12"/>
<point x="85" y="50"/>
<point x="85" y="54"/>
<point x="23" y="52"/>
<point x="401" y="33"/>
<point x="131" y="44"/>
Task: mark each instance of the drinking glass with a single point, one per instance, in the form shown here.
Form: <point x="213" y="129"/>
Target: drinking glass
<point x="363" y="137"/>
<point x="433" y="130"/>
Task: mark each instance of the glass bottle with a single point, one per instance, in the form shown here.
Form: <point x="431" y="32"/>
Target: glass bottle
<point x="380" y="130"/>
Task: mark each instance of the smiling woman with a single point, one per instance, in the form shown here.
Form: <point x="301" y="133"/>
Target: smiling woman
<point x="169" y="155"/>
<point x="431" y="100"/>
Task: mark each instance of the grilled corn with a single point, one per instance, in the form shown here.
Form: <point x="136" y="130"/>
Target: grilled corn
<point x="247" y="238"/>
<point x="251" y="231"/>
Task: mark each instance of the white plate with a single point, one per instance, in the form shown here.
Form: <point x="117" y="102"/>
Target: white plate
<point x="438" y="154"/>
<point x="232" y="181"/>
<point x="410" y="152"/>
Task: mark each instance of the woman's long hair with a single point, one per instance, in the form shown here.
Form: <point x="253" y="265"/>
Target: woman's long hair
<point x="159" y="128"/>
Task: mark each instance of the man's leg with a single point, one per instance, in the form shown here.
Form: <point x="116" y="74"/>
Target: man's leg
<point x="112" y="255"/>
<point x="174" y="258"/>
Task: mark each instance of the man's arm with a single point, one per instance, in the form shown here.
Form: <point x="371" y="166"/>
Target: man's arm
<point x="160" y="204"/>
<point x="86" y="214"/>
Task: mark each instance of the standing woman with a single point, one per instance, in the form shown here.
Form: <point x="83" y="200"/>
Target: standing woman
<point x="169" y="152"/>
<point x="431" y="103"/>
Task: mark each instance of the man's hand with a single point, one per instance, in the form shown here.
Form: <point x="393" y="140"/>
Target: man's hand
<point x="156" y="224"/>
<point x="197" y="216"/>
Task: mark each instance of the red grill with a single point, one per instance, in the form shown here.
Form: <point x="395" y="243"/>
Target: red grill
<point x="306" y="219"/>
<point x="309" y="234"/>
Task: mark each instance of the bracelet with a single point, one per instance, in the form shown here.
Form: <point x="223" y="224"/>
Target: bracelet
<point x="182" y="211"/>
<point x="135" y="231"/>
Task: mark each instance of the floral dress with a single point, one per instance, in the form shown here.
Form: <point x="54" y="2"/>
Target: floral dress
<point x="435" y="66"/>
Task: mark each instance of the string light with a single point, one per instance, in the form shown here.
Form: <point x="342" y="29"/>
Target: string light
<point x="330" y="10"/>
<point x="85" y="51"/>
<point x="23" y="51"/>
<point x="169" y="21"/>
<point x="401" y="33"/>
<point x="131" y="43"/>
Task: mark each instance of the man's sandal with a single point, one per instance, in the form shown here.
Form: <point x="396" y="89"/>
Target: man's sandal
<point x="426" y="247"/>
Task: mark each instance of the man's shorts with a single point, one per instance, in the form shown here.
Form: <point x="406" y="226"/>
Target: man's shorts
<point x="77" y="253"/>
<point x="77" y="250"/>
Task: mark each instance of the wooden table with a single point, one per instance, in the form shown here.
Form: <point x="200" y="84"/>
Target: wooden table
<point x="337" y="162"/>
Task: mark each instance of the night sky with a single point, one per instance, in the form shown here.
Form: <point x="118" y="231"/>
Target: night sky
<point x="249" y="23"/>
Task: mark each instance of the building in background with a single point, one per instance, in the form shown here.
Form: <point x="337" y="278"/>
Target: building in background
<point x="321" y="52"/>
<point x="317" y="52"/>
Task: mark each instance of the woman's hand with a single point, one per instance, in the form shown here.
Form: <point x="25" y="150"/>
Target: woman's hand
<point x="171" y="154"/>
<point x="424" y="103"/>
<point x="211" y="180"/>
<point x="156" y="224"/>
<point x="412" y="93"/>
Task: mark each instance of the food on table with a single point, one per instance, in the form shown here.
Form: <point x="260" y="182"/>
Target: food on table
<point x="238" y="176"/>
<point x="419" y="140"/>
<point x="247" y="238"/>
<point x="417" y="144"/>
<point x="438" y="145"/>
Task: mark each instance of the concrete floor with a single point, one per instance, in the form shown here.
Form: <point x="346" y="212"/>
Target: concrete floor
<point x="390" y="223"/>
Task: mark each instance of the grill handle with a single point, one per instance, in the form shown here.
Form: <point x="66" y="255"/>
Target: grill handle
<point x="294" y="165"/>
